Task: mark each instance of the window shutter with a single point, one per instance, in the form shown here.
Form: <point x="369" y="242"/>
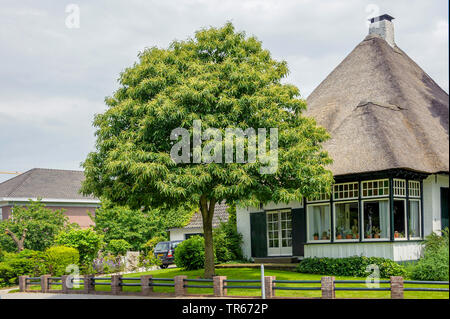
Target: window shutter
<point x="298" y="231"/>
<point x="258" y="233"/>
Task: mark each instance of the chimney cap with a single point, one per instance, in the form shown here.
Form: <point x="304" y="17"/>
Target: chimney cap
<point x="382" y="17"/>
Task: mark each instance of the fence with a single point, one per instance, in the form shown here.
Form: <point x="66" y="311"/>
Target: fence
<point x="219" y="284"/>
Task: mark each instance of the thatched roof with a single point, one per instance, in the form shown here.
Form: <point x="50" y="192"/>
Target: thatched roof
<point x="220" y="216"/>
<point x="382" y="112"/>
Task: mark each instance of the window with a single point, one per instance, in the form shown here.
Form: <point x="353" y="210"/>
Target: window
<point x="414" y="189"/>
<point x="318" y="222"/>
<point x="399" y="187"/>
<point x="346" y="220"/>
<point x="1" y="214"/>
<point x="273" y="229"/>
<point x="187" y="236"/>
<point x="375" y="188"/>
<point x="345" y="191"/>
<point x="376" y="219"/>
<point x="320" y="197"/>
<point x="414" y="218"/>
<point x="286" y="229"/>
<point x="399" y="218"/>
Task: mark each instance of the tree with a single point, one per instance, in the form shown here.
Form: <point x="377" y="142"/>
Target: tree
<point x="227" y="81"/>
<point x="135" y="225"/>
<point x="32" y="226"/>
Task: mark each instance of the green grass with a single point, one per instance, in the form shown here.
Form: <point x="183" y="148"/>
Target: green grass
<point x="251" y="273"/>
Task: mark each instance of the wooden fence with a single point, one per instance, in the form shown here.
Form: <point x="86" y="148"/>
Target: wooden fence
<point x="219" y="284"/>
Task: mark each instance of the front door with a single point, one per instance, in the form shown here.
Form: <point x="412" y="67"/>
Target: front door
<point x="279" y="233"/>
<point x="444" y="207"/>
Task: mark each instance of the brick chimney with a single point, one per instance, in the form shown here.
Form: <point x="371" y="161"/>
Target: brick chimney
<point x="383" y="27"/>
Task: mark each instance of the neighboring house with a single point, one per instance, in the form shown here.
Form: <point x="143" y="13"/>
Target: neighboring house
<point x="389" y="123"/>
<point x="195" y="225"/>
<point x="56" y="188"/>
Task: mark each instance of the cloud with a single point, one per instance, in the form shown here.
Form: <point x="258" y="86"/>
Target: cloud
<point x="54" y="79"/>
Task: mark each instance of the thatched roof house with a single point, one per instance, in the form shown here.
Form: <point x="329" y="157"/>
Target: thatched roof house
<point x="389" y="127"/>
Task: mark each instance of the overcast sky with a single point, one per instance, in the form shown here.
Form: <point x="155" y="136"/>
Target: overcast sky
<point x="54" y="78"/>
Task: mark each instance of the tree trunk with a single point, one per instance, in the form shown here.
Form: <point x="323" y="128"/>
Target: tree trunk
<point x="207" y="216"/>
<point x="17" y="241"/>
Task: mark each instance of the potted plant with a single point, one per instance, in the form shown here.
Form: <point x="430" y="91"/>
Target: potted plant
<point x="369" y="233"/>
<point x="355" y="231"/>
<point x="339" y="231"/>
<point x="396" y="234"/>
<point x="324" y="235"/>
<point x="348" y="234"/>
<point x="316" y="236"/>
<point x="376" y="232"/>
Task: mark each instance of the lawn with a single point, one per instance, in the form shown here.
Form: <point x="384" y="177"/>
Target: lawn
<point x="252" y="273"/>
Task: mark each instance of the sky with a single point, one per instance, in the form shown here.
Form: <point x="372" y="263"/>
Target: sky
<point x="59" y="60"/>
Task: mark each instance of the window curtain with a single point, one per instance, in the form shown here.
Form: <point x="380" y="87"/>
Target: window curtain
<point x="384" y="218"/>
<point x="414" y="218"/>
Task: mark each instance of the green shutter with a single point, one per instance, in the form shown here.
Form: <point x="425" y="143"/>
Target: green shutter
<point x="298" y="231"/>
<point x="258" y="233"/>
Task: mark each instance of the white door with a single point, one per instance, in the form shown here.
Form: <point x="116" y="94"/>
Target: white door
<point x="279" y="233"/>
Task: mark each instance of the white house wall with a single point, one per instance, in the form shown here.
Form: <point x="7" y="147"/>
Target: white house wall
<point x="243" y="221"/>
<point x="398" y="251"/>
<point x="179" y="233"/>
<point x="432" y="202"/>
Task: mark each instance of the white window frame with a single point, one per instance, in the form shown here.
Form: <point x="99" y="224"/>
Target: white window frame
<point x="388" y="216"/>
<point x="399" y="189"/>
<point x="343" y="184"/>
<point x="371" y="181"/>
<point x="283" y="251"/>
<point x="308" y="230"/>
<point x="343" y="240"/>
<point x="414" y="189"/>
<point x="1" y="213"/>
<point x="405" y="220"/>
<point x="322" y="197"/>
<point x="420" y="218"/>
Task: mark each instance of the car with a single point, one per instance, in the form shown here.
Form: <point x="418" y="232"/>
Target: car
<point x="165" y="251"/>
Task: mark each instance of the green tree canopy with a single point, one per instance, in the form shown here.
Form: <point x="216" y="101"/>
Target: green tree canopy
<point x="226" y="80"/>
<point x="135" y="225"/>
<point x="32" y="227"/>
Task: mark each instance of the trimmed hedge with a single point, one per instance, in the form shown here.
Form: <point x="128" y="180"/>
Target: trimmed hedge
<point x="59" y="257"/>
<point x="350" y="266"/>
<point x="190" y="253"/>
<point x="27" y="262"/>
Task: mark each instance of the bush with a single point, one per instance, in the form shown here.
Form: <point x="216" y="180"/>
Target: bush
<point x="435" y="263"/>
<point x="118" y="247"/>
<point x="227" y="241"/>
<point x="59" y="257"/>
<point x="86" y="241"/>
<point x="350" y="266"/>
<point x="27" y="262"/>
<point x="190" y="253"/>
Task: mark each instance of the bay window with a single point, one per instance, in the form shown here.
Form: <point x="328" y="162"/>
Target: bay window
<point x="318" y="216"/>
<point x="376" y="219"/>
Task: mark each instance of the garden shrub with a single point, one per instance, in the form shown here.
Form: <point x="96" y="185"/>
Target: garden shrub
<point x="118" y="247"/>
<point x="434" y="265"/>
<point x="190" y="253"/>
<point x="27" y="262"/>
<point x="59" y="257"/>
<point x="86" y="241"/>
<point x="350" y="266"/>
<point x="227" y="241"/>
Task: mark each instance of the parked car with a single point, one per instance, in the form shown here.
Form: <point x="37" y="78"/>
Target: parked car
<point x="165" y="251"/>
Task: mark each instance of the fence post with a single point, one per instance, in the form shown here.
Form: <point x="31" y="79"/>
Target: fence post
<point x="44" y="283"/>
<point x="180" y="290"/>
<point x="116" y="288"/>
<point x="64" y="288"/>
<point x="328" y="288"/>
<point x="219" y="290"/>
<point x="146" y="289"/>
<point x="23" y="283"/>
<point x="88" y="284"/>
<point x="396" y="287"/>
<point x="268" y="286"/>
